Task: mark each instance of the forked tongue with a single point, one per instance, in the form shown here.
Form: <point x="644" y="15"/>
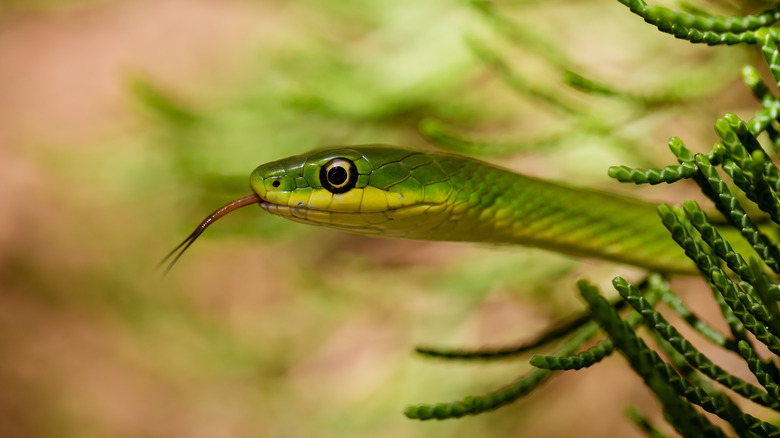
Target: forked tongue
<point x="177" y="252"/>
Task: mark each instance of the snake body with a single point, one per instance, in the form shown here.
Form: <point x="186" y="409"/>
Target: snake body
<point x="393" y="192"/>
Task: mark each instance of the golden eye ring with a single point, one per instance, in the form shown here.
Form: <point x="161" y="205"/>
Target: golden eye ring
<point x="338" y="175"/>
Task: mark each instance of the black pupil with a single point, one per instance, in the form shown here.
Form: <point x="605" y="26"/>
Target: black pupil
<point x="337" y="175"/>
<point x="276" y="183"/>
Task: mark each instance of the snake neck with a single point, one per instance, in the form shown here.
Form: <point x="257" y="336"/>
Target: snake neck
<point x="489" y="204"/>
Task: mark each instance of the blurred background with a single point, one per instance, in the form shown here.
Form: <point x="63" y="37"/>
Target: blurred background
<point x="123" y="123"/>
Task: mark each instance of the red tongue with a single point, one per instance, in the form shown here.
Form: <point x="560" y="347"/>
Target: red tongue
<point x="225" y="209"/>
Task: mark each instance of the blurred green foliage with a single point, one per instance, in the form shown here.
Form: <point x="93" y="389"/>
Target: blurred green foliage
<point x="269" y="328"/>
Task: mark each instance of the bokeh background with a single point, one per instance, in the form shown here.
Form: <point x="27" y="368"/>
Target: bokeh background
<point x="124" y="122"/>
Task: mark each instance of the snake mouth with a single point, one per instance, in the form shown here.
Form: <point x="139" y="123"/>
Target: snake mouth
<point x="314" y="216"/>
<point x="299" y="211"/>
<point x="265" y="205"/>
<point x="351" y="221"/>
<point x="280" y="210"/>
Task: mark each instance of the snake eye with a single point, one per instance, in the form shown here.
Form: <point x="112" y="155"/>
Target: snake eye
<point x="338" y="175"/>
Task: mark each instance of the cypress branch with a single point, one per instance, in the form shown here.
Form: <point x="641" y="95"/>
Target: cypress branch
<point x="690" y="354"/>
<point x="643" y="423"/>
<point x="757" y="86"/>
<point x="656" y="374"/>
<point x="674" y="302"/>
<point x="494" y="400"/>
<point x="730" y="208"/>
<point x="759" y="369"/>
<point x="723" y="249"/>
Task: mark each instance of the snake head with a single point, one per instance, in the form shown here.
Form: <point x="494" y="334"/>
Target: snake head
<point x="370" y="189"/>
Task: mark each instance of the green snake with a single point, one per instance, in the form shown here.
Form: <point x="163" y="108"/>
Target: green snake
<point x="388" y="191"/>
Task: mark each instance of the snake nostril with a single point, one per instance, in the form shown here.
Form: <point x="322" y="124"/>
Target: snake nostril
<point x="276" y="183"/>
